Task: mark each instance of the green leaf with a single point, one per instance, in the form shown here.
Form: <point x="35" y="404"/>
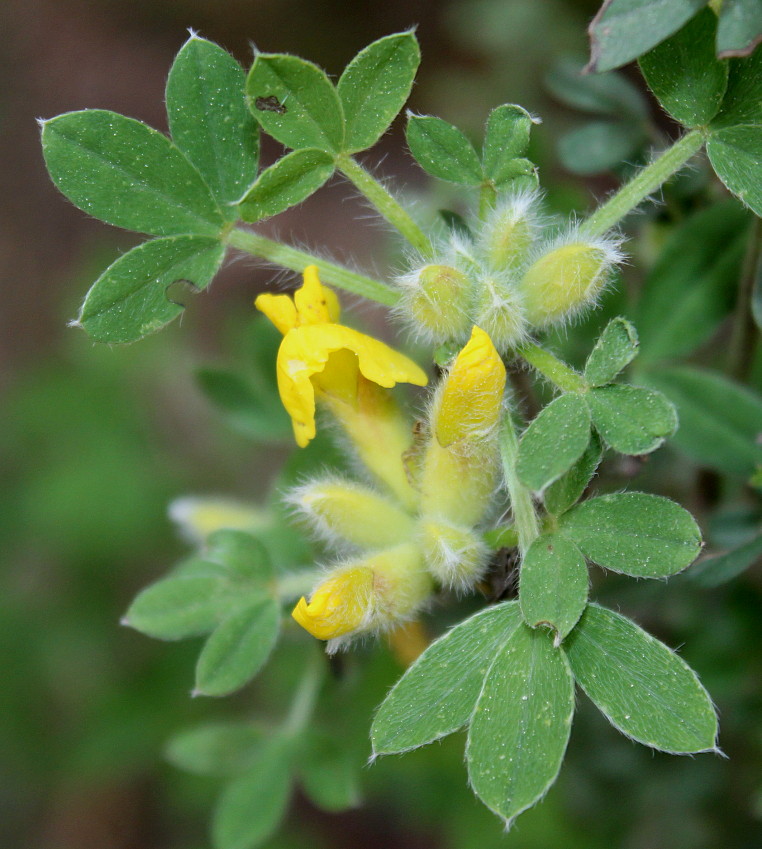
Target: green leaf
<point x="251" y="807"/>
<point x="295" y="102"/>
<point x="208" y="117"/>
<point x="608" y="94"/>
<point x="218" y="749"/>
<point x="437" y="694"/>
<point x="645" y="690"/>
<point x="568" y="489"/>
<point x="624" y="29"/>
<point x="131" y="299"/>
<point x="243" y="556"/>
<point x="599" y="146"/>
<point x="715" y="571"/>
<point x="506" y="139"/>
<point x="443" y="150"/>
<point x="756" y="295"/>
<point x="123" y="172"/>
<point x="615" y="349"/>
<point x="518" y="174"/>
<point x="237" y="649"/>
<point x="740" y="27"/>
<point x="735" y="154"/>
<point x="646" y="536"/>
<point x="178" y="607"/>
<point x="631" y="419"/>
<point x="520" y="728"/>
<point x="328" y="773"/>
<point x="554" y="584"/>
<point x="719" y="419"/>
<point x="694" y="283"/>
<point x="292" y="179"/>
<point x="684" y="74"/>
<point x="247" y="410"/>
<point x="554" y="441"/>
<point x="743" y="99"/>
<point x="375" y="86"/>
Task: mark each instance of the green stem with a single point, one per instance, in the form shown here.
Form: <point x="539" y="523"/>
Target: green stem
<point x="305" y="697"/>
<point x="391" y="210"/>
<point x="296" y="260"/>
<point x="643" y="184"/>
<point x="555" y="370"/>
<point x="524" y="515"/>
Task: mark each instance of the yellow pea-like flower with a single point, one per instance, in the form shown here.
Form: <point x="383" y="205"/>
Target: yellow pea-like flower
<point x="317" y="353"/>
<point x="338" y="606"/>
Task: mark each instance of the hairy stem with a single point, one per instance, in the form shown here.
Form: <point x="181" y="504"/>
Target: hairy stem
<point x="387" y="206"/>
<point x="296" y="260"/>
<point x="524" y="516"/>
<point x="644" y="183"/>
<point x="555" y="370"/>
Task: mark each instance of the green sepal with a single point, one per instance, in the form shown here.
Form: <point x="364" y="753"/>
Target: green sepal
<point x="375" y="86"/>
<point x="127" y="174"/>
<point x="237" y="649"/>
<point x="289" y="181"/>
<point x="631" y="419"/>
<point x="437" y="694"/>
<point x="643" y="688"/>
<point x="295" y="102"/>
<point x="131" y="299"/>
<point x="208" y="118"/>
<point x="615" y="349"/>
<point x="518" y="733"/>
<point x="554" y="584"/>
<point x="635" y="533"/>
<point x="684" y="73"/>
<point x="443" y="151"/>
<point x="554" y="441"/>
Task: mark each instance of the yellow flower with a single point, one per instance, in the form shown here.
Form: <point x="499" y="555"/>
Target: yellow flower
<point x="319" y="354"/>
<point x="375" y="593"/>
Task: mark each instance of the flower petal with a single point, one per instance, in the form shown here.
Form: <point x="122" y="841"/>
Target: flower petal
<point x="315" y="304"/>
<point x="338" y="606"/>
<point x="279" y="309"/>
<point x="473" y="393"/>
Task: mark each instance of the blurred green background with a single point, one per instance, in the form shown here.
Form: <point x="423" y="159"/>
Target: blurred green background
<point x="96" y="441"/>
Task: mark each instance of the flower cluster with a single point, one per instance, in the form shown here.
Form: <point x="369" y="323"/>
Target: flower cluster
<point x="416" y="526"/>
<point x="518" y="273"/>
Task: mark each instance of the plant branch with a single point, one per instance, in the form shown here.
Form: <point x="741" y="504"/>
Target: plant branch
<point x="305" y="697"/>
<point x="524" y="515"/>
<point x="643" y="184"/>
<point x="387" y="206"/>
<point x="296" y="260"/>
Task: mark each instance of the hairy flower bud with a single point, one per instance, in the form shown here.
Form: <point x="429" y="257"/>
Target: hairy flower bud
<point x="500" y="312"/>
<point x="510" y="231"/>
<point x="437" y="298"/>
<point x="454" y="555"/>
<point x="566" y="278"/>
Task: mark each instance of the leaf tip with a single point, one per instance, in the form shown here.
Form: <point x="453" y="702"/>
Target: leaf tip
<point x="125" y="621"/>
<point x="196" y="692"/>
<point x="193" y="35"/>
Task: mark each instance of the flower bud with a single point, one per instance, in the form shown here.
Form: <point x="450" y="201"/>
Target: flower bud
<point x="352" y="513"/>
<point x="566" y="279"/>
<point x="510" y="231"/>
<point x="437" y="298"/>
<point x="371" y="594"/>
<point x="454" y="555"/>
<point x="500" y="313"/>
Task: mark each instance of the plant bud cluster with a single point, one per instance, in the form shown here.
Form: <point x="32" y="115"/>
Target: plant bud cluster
<point x="514" y="275"/>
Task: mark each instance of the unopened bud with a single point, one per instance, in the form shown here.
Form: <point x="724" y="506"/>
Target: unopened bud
<point x="500" y="313"/>
<point x="454" y="555"/>
<point x="566" y="279"/>
<point x="352" y="513"/>
<point x="510" y="232"/>
<point x="438" y="298"/>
